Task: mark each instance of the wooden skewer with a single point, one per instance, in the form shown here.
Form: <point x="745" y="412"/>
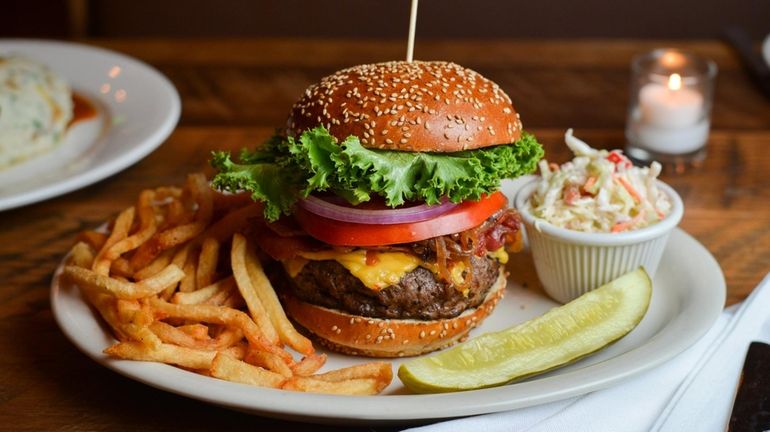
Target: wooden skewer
<point x="412" y="28"/>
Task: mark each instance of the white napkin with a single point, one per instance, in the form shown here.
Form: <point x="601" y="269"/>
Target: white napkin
<point x="693" y="391"/>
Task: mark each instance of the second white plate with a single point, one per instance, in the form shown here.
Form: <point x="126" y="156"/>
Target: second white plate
<point x="137" y="108"/>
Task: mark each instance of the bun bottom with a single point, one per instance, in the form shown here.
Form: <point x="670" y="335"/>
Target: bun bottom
<point x="375" y="337"/>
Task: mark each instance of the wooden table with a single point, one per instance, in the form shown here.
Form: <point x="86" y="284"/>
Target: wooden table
<point x="235" y="92"/>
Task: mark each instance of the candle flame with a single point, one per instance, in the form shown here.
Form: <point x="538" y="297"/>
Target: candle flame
<point x="675" y="82"/>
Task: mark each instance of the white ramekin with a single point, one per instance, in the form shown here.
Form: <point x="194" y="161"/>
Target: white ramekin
<point x="570" y="263"/>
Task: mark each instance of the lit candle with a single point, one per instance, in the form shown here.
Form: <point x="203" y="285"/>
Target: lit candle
<point x="671" y="117"/>
<point x="670" y="106"/>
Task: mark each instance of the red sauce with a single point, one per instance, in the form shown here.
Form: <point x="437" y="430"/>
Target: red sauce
<point x="82" y="109"/>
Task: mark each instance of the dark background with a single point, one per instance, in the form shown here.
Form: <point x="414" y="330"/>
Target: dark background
<point x="650" y="19"/>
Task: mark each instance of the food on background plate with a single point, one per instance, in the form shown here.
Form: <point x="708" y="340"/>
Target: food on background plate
<point x="561" y="336"/>
<point x="36" y="107"/>
<point x="392" y="235"/>
<point x="598" y="191"/>
<point x="178" y="282"/>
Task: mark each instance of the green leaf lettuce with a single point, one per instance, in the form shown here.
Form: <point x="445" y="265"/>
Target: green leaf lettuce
<point x="286" y="169"/>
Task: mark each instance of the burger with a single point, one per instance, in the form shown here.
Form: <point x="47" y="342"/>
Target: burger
<point x="381" y="204"/>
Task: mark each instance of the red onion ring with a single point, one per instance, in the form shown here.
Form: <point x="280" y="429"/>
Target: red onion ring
<point x="417" y="213"/>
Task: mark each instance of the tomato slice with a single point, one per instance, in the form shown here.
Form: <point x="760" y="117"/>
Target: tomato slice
<point x="465" y="216"/>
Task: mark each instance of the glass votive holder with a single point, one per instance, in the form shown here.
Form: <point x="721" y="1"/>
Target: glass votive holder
<point x="669" y="110"/>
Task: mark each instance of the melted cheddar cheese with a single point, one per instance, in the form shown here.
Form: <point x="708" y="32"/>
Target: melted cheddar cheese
<point x="388" y="269"/>
<point x="500" y="255"/>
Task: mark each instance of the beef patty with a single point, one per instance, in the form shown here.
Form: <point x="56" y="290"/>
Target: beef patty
<point x="418" y="295"/>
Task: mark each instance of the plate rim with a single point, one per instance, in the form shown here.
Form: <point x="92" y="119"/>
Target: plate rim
<point x="697" y="319"/>
<point x="95" y="173"/>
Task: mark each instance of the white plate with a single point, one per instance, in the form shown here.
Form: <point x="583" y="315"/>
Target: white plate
<point x="766" y="49"/>
<point x="137" y="108"/>
<point x="688" y="296"/>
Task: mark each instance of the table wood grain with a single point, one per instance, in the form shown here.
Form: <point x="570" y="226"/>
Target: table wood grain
<point x="235" y="92"/>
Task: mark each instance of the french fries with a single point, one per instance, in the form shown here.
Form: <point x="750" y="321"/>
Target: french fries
<point x="269" y="300"/>
<point x="201" y="295"/>
<point x="163" y="353"/>
<point x="269" y="361"/>
<point x="207" y="262"/>
<point x="357" y="386"/>
<point x="119" y="231"/>
<point x="124" y="290"/>
<point x="309" y="364"/>
<point x="146" y="228"/>
<point x="81" y="255"/>
<point x="249" y="290"/>
<point x="372" y="370"/>
<point x="180" y="283"/>
<point x="229" y="368"/>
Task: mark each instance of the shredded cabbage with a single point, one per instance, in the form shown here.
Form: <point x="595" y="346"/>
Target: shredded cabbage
<point x="598" y="191"/>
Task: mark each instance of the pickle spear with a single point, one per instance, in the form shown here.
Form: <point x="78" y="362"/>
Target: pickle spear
<point x="558" y="337"/>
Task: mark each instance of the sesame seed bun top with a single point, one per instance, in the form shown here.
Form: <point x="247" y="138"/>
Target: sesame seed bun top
<point x="417" y="106"/>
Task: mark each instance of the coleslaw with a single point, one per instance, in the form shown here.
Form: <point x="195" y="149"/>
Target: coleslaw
<point x="598" y="191"/>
